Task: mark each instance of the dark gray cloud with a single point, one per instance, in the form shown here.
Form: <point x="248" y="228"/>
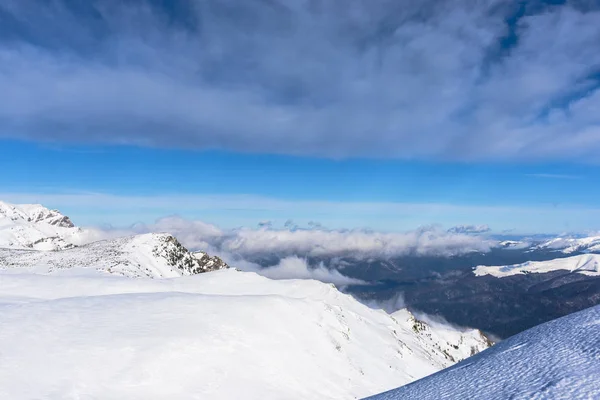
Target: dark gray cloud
<point x="462" y="80"/>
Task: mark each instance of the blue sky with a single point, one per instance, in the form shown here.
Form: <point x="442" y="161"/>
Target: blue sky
<point x="384" y="114"/>
<point x="232" y="189"/>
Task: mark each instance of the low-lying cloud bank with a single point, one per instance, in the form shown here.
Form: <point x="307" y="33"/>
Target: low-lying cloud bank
<point x="249" y="243"/>
<point x="298" y="268"/>
<point x="289" y="249"/>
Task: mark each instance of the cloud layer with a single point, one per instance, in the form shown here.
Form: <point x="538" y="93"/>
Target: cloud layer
<point x="298" y="268"/>
<point x="249" y="243"/>
<point x="457" y="80"/>
<point x="289" y="250"/>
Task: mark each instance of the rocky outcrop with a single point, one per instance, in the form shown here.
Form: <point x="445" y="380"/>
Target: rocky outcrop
<point x="51" y="217"/>
<point x="210" y="263"/>
<point x="179" y="257"/>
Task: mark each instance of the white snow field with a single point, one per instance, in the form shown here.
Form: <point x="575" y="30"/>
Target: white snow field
<point x="80" y="333"/>
<point x="556" y="360"/>
<point x="588" y="264"/>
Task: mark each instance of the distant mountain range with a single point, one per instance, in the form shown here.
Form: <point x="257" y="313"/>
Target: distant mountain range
<point x="586" y="264"/>
<point x="503" y="291"/>
<point x="571" y="245"/>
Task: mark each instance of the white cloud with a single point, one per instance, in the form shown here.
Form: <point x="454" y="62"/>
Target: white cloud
<point x="298" y="268"/>
<point x="394" y="303"/>
<point x="243" y="243"/>
<point x="246" y="243"/>
<point x="356" y="243"/>
<point x="385" y="78"/>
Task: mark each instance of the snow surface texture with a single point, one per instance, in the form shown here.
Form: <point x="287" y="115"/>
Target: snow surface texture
<point x="556" y="360"/>
<point x="588" y="264"/>
<point x="154" y="255"/>
<point x="84" y="334"/>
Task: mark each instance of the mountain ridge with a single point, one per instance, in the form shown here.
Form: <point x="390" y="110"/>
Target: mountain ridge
<point x="33" y="236"/>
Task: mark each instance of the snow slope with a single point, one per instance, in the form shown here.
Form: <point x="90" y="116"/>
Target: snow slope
<point x="571" y="245"/>
<point x="556" y="360"/>
<point x="84" y="334"/>
<point x="588" y="264"/>
<point x="33" y="226"/>
<point x="149" y="255"/>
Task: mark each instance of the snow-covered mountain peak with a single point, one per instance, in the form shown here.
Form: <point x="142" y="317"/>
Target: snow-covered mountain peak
<point x="34" y="213"/>
<point x="35" y="227"/>
<point x="51" y="217"/>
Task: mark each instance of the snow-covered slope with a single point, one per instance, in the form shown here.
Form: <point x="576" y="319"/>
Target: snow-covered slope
<point x="149" y="255"/>
<point x="556" y="360"/>
<point x="588" y="264"/>
<point x="32" y="226"/>
<point x="81" y="333"/>
<point x="572" y="245"/>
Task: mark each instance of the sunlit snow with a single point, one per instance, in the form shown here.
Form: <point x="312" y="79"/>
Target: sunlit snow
<point x="556" y="360"/>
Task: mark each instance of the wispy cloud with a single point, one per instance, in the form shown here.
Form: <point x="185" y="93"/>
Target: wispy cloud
<point x="408" y="79"/>
<point x="470" y="229"/>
